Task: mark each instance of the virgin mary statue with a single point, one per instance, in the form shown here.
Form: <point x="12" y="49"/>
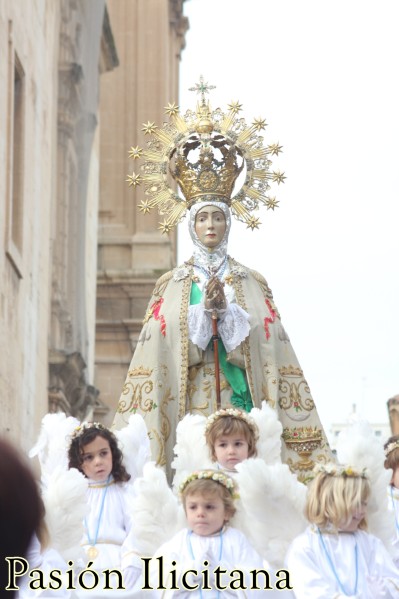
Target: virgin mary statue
<point x="181" y="363"/>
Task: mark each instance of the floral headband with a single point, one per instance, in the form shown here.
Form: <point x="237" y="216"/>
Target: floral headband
<point x="235" y="414"/>
<point x="215" y="475"/>
<point x="84" y="426"/>
<point x="390" y="447"/>
<point x="339" y="470"/>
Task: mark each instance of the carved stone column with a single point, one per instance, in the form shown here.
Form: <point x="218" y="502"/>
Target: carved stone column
<point x="85" y="49"/>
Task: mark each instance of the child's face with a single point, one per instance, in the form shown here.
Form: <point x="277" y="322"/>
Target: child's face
<point x="357" y="517"/>
<point x="97" y="459"/>
<point x="205" y="514"/>
<point x="230" y="450"/>
<point x="395" y="478"/>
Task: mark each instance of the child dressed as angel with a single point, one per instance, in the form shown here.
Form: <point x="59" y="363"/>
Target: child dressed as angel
<point x="336" y="556"/>
<point x="209" y="554"/>
<point x="94" y="451"/>
<point x="101" y="516"/>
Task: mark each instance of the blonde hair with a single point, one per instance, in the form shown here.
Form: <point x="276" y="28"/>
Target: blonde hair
<point x="391" y="448"/>
<point x="228" y="424"/>
<point x="332" y="499"/>
<point x="208" y="487"/>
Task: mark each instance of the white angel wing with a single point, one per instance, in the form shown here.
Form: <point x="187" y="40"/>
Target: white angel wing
<point x="270" y="509"/>
<point x="191" y="451"/>
<point x="360" y="448"/>
<point x="270" y="431"/>
<point x="157" y="515"/>
<point x="66" y="507"/>
<point x="52" y="444"/>
<point x="134" y="443"/>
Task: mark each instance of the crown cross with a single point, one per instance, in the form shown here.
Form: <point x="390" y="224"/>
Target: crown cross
<point x="202" y="88"/>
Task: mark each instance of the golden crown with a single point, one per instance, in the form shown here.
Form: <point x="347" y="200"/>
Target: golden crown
<point x="205" y="151"/>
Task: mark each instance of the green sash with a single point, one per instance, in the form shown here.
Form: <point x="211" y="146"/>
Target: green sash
<point x="235" y="376"/>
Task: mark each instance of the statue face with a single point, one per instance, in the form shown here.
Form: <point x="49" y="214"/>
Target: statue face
<point x="210" y="226"/>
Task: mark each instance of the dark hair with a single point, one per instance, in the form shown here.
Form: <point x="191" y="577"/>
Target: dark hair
<point x="21" y="508"/>
<point x="76" y="450"/>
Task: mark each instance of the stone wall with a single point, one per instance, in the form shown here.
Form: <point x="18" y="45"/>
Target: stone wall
<point x="51" y="58"/>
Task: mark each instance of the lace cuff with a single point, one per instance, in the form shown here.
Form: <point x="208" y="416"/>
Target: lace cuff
<point x="199" y="326"/>
<point x="234" y="327"/>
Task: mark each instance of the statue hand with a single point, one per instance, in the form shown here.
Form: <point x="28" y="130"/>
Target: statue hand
<point x="215" y="298"/>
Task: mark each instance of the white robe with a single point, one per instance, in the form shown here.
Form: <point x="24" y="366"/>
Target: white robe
<point x="312" y="576"/>
<point x="45" y="561"/>
<point x="115" y="524"/>
<point x="230" y="550"/>
<point x="393" y="506"/>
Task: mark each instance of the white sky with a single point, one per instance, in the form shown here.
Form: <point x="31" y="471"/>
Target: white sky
<point x="324" y="74"/>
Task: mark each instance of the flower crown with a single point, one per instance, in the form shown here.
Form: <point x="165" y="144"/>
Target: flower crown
<point x="234" y="413"/>
<point x="390" y="447"/>
<point x="339" y="470"/>
<point x="84" y="426"/>
<point x="215" y="475"/>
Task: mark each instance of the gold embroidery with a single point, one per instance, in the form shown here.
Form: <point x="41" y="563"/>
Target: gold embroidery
<point x="266" y="395"/>
<point x="304" y="441"/>
<point x="207" y="388"/>
<point x="237" y="284"/>
<point x="291" y="390"/>
<point x="193" y="371"/>
<point x="135" y="400"/>
<point x="139" y="371"/>
<point x="165" y="423"/>
<point x="161" y="457"/>
<point x="191" y="390"/>
<point x="184" y="340"/>
<point x="290" y="371"/>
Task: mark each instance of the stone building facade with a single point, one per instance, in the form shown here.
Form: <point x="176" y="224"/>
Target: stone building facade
<point x="57" y="150"/>
<point x="133" y="253"/>
<point x="52" y="55"/>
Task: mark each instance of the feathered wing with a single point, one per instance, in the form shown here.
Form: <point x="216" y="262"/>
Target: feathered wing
<point x="191" y="451"/>
<point x="52" y="444"/>
<point x="66" y="507"/>
<point x="135" y="445"/>
<point x="157" y="515"/>
<point x="270" y="431"/>
<point x="270" y="508"/>
<point x="359" y="447"/>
